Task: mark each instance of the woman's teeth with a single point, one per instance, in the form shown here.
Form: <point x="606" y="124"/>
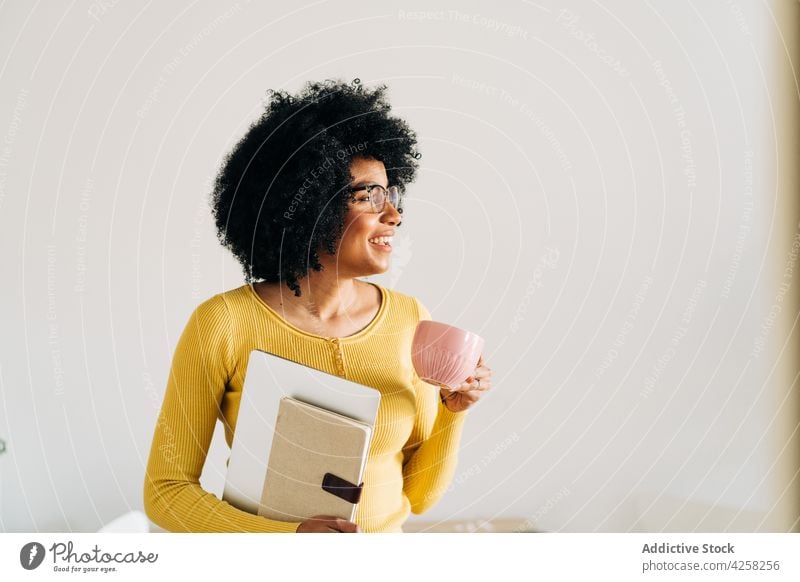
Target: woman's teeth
<point x="381" y="240"/>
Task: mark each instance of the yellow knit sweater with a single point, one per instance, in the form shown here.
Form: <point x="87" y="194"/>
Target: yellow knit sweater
<point x="414" y="449"/>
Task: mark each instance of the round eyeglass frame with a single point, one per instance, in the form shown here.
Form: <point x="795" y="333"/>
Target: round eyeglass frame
<point x="393" y="194"/>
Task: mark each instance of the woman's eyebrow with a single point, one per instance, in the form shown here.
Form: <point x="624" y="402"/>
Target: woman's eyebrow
<point x="363" y="184"/>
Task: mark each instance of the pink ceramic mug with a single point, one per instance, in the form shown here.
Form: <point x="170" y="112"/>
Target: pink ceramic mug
<point x="444" y="354"/>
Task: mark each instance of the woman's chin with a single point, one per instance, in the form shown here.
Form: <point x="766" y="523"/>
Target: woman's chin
<point x="376" y="269"/>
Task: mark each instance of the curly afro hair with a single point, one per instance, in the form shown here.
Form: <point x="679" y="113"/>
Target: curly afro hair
<point x="281" y="195"/>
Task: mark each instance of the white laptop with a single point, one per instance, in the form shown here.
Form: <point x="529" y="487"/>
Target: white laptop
<point x="269" y="378"/>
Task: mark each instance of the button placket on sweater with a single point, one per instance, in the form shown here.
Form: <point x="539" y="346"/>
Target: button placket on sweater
<point x="337" y="355"/>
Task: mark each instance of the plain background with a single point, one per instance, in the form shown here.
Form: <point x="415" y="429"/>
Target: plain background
<point x="607" y="195"/>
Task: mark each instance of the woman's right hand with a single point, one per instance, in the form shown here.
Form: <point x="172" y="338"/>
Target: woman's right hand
<point x="328" y="524"/>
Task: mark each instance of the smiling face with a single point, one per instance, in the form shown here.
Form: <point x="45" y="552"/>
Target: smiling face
<point x="359" y="253"/>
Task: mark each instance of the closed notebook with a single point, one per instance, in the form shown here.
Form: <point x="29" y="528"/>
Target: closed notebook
<point x="316" y="463"/>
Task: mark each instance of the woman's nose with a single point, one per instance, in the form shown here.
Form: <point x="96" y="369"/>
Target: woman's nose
<point x="390" y="214"/>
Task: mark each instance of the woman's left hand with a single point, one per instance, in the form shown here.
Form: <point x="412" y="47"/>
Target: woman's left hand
<point x="470" y="391"/>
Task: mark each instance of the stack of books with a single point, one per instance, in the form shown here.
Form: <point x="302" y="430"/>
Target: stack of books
<point x="316" y="463"/>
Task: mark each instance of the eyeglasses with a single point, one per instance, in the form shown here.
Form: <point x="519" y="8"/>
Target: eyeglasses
<point x="378" y="195"/>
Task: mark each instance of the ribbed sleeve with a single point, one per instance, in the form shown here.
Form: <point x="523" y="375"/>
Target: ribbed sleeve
<point x="173" y="498"/>
<point x="433" y="444"/>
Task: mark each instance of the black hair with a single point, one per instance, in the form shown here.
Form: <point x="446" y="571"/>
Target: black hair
<point x="281" y="194"/>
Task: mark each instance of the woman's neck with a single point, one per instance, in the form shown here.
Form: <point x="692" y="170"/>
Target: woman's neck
<point x="324" y="296"/>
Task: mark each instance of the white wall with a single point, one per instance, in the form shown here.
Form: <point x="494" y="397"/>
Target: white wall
<point x="606" y="195"/>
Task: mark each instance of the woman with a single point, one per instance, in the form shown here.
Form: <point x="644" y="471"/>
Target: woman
<point x="308" y="202"/>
